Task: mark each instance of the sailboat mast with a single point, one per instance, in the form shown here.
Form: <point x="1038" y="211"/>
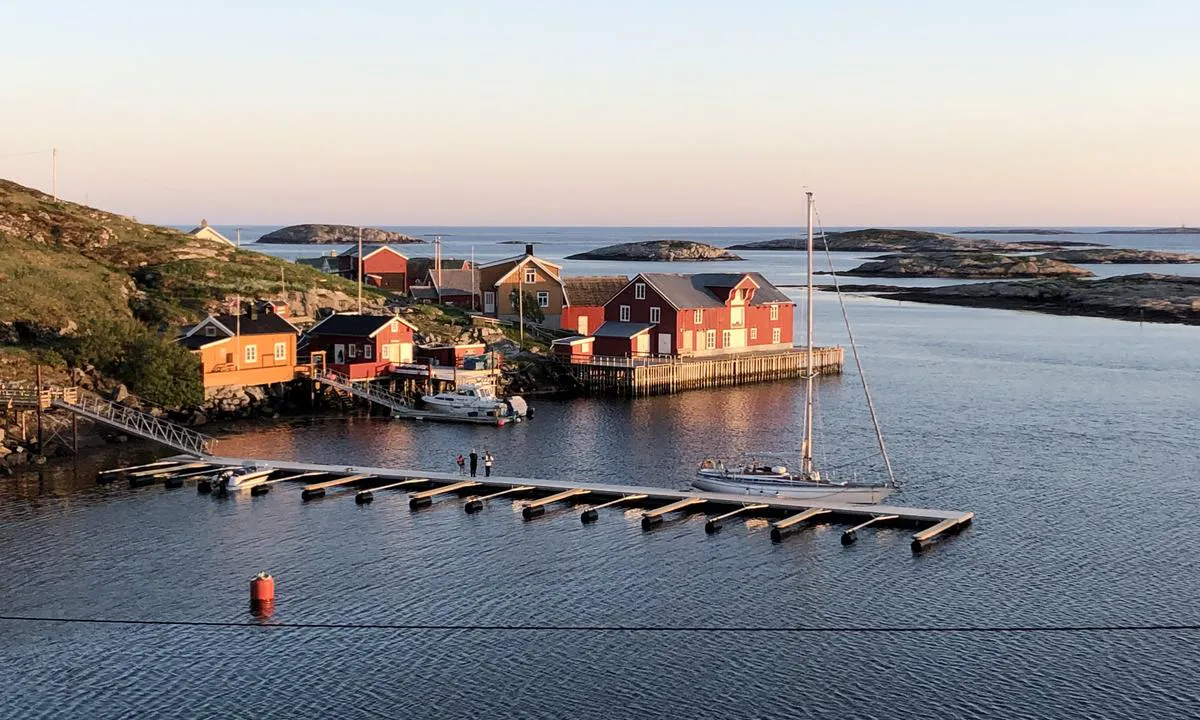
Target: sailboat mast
<point x="806" y="443"/>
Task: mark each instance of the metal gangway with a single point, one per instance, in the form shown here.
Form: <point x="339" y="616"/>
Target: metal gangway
<point x="364" y="390"/>
<point x="135" y="422"/>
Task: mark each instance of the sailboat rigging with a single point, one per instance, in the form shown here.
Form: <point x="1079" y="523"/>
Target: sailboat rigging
<point x="754" y="477"/>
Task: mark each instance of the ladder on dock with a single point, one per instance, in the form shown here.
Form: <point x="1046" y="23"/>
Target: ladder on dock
<point x="136" y="423"/>
<point x="364" y="390"/>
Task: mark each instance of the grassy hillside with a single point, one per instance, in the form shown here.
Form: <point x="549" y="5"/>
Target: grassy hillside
<point x="61" y="262"/>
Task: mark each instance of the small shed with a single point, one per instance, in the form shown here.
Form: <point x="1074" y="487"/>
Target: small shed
<point x="622" y="339"/>
<point x="450" y="355"/>
<point x="577" y="348"/>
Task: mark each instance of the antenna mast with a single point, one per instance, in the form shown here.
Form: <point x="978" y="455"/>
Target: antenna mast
<point x="359" y="259"/>
<point x="806" y="443"/>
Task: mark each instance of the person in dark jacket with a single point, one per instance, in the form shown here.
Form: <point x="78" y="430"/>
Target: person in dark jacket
<point x="474" y="462"/>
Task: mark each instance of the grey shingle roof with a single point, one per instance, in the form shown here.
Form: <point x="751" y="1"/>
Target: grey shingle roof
<point x="456" y="282"/>
<point x="350" y="324"/>
<point x="621" y="329"/>
<point x="265" y="324"/>
<point x="693" y="291"/>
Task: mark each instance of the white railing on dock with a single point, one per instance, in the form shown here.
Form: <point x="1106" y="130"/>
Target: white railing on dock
<point x="364" y="390"/>
<point x="137" y="423"/>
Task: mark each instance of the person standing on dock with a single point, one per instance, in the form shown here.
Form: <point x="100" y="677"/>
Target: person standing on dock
<point x="474" y="462"/>
<point x="462" y="464"/>
<point x="487" y="463"/>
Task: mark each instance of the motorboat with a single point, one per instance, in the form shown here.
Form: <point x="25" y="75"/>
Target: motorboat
<point x="476" y="401"/>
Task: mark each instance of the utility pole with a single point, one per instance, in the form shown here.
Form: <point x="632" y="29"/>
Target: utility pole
<point x="474" y="280"/>
<point x="54" y="172"/>
<point x="239" y="236"/>
<point x="521" y="304"/>
<point x="437" y="259"/>
<point x="359" y="259"/>
<point x="37" y="376"/>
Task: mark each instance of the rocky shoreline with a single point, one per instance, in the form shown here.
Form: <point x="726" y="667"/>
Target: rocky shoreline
<point x="891" y="240"/>
<point x="967" y="266"/>
<point x="1122" y="256"/>
<point x="658" y="251"/>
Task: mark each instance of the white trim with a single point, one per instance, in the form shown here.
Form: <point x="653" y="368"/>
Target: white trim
<point x="624" y="313"/>
<point x="776" y="335"/>
<point x="381" y="249"/>
<point x="246" y="352"/>
<point x="278" y="355"/>
<point x="211" y="318"/>
<point x="556" y="274"/>
<point x="655" y="315"/>
<point x="518" y="259"/>
<point x="546" y="294"/>
<point x="639" y="291"/>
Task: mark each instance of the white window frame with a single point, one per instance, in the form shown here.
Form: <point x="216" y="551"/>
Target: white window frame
<point x="352" y="350"/>
<point x="385" y="353"/>
<point x="368" y="352"/>
<point x="776" y="335"/>
<point x="395" y="326"/>
<point x="655" y="315"/>
<point x="753" y="333"/>
<point x="281" y="351"/>
<point x="543" y="299"/>
<point x="624" y="313"/>
<point x="710" y="339"/>
<point x="250" y="354"/>
<point x="737" y="316"/>
<point x="530" y="275"/>
<point x="774" y="312"/>
<point x="726" y="338"/>
<point x="210" y="331"/>
<point x="639" y="291"/>
<point x="697" y="317"/>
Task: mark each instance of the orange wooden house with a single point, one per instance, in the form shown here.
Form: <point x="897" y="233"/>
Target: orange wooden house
<point x="256" y="348"/>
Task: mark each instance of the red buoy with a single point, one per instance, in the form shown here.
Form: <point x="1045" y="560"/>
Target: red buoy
<point x="262" y="593"/>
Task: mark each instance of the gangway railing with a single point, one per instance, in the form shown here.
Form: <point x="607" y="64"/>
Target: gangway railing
<point x="364" y="390"/>
<point x="135" y="422"/>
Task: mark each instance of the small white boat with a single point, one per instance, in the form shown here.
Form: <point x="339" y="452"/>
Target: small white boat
<point x="475" y="401"/>
<point x="241" y="478"/>
<point x="773" y="478"/>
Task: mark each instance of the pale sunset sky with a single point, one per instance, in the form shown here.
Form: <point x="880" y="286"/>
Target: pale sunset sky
<point x="658" y="112"/>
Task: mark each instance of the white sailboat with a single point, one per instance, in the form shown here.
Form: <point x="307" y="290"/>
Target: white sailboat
<point x="756" y="476"/>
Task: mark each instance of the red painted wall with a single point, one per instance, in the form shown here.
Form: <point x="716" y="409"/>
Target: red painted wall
<point x="572" y="313"/>
<point x="358" y="365"/>
<point x="639" y="312"/>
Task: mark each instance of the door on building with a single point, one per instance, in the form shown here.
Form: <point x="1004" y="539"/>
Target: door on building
<point x="643" y="344"/>
<point x="582" y="325"/>
<point x="406" y="352"/>
<point x="489" y="302"/>
<point x="664" y="344"/>
<point x="339" y="354"/>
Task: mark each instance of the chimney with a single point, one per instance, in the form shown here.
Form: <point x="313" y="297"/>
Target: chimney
<point x="529" y="248"/>
<point x="203" y="223"/>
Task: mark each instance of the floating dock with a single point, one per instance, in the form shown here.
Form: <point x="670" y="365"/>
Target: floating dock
<point x="789" y="515"/>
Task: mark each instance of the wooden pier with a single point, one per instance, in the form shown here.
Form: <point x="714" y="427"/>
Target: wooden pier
<point x="789" y="515"/>
<point x="659" y="376"/>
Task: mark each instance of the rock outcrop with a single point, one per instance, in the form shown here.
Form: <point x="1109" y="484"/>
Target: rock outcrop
<point x="888" y="240"/>
<point x="1182" y="230"/>
<point x="1122" y="256"/>
<point x="967" y="265"/>
<point x="1145" y="297"/>
<point x="657" y="250"/>
<point x="317" y="234"/>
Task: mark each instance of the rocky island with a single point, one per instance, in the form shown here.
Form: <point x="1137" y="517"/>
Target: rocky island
<point x="967" y="265"/>
<point x="1146" y="297"/>
<point x="889" y="240"/>
<point x="1181" y="230"/>
<point x="657" y="250"/>
<point x="1122" y="256"/>
<point x="316" y="234"/>
<point x="1017" y="231"/>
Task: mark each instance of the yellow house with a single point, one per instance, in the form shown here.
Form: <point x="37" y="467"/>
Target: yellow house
<point x="204" y="230"/>
<point x="541" y="281"/>
<point x="257" y="348"/>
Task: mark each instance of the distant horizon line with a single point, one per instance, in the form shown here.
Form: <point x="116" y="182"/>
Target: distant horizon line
<point x="867" y="226"/>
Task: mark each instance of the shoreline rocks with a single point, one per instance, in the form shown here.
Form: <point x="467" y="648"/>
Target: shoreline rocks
<point x="967" y="266"/>
<point x="319" y="234"/>
<point x="657" y="250"/>
<point x="1122" y="256"/>
<point x="891" y="240"/>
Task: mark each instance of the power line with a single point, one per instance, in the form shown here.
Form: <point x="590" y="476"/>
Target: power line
<point x="691" y="629"/>
<point x="23" y="154"/>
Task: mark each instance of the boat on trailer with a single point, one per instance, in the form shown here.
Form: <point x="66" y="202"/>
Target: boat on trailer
<point x="753" y="476"/>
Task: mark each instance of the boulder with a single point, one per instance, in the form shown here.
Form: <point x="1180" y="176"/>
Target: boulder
<point x="120" y="394"/>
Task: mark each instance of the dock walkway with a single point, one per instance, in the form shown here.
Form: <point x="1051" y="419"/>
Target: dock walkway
<point x="932" y="523"/>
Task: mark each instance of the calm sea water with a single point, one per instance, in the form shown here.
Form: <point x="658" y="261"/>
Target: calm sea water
<point x="1074" y="439"/>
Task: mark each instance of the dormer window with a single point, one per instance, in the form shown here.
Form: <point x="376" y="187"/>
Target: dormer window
<point x="639" y="291"/>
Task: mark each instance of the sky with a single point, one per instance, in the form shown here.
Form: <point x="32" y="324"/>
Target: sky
<point x="656" y="112"/>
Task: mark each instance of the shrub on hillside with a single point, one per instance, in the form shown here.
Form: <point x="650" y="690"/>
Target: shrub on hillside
<point x="152" y="366"/>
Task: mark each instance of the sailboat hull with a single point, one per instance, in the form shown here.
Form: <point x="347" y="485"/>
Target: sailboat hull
<point x="797" y="489"/>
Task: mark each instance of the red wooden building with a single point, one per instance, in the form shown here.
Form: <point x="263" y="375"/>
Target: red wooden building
<point x="362" y="346"/>
<point x="695" y="315"/>
<point x="586" y="295"/>
<point x="382" y="267"/>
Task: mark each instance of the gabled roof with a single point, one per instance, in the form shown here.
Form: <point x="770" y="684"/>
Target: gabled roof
<point x="621" y="329"/>
<point x="195" y="342"/>
<point x="263" y="323"/>
<point x="517" y="259"/>
<point x="355" y="325"/>
<point x="419" y="265"/>
<point x="455" y="282"/>
<point x="423" y="292"/>
<point x="572" y="340"/>
<point x="592" y="290"/>
<point x="326" y="263"/>
<point x="700" y="290"/>
<point x="554" y="271"/>
<point x="207" y="229"/>
<point x="369" y="250"/>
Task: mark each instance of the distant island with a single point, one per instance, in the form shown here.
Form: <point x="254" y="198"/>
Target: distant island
<point x="1016" y="231"/>
<point x="1122" y="256"/>
<point x="657" y="250"/>
<point x="891" y="240"/>
<point x="967" y="265"/>
<point x="1182" y="230"/>
<point x="1146" y="297"/>
<point x="317" y="234"/>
